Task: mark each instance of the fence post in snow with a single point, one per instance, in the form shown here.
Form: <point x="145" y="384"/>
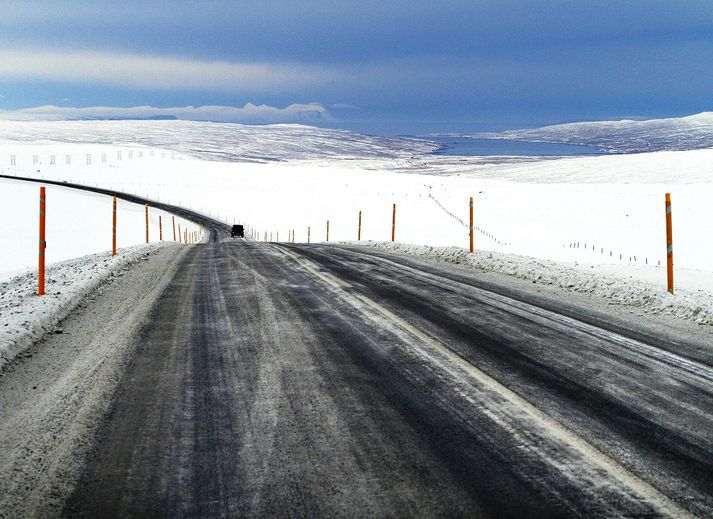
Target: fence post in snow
<point x="160" y="229"/>
<point x="327" y="230"/>
<point x="179" y="233"/>
<point x="471" y="224"/>
<point x="309" y="234"/>
<point x="146" y="207"/>
<point x="113" y="228"/>
<point x="359" y="233"/>
<point x="173" y="221"/>
<point x="43" y="244"/>
<point x="393" y="223"/>
<point x="669" y="243"/>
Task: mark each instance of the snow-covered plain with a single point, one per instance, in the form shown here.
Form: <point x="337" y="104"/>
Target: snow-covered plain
<point x="78" y="223"/>
<point x="603" y="211"/>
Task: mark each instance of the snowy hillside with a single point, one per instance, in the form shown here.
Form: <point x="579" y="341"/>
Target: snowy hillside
<point x="218" y="141"/>
<point x="625" y="136"/>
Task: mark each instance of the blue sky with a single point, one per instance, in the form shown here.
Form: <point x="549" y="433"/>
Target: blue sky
<point x="398" y="66"/>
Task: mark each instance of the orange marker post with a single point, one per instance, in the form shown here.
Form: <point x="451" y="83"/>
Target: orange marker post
<point x="160" y="229"/>
<point x="359" y="232"/>
<point x="43" y="244"/>
<point x="327" y="230"/>
<point x="146" y="207"/>
<point x="669" y="243"/>
<point x="173" y="221"/>
<point x="393" y="224"/>
<point x="471" y="224"/>
<point x="179" y="233"/>
<point x="113" y="229"/>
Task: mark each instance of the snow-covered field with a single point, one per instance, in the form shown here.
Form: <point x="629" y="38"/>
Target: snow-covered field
<point x="78" y="223"/>
<point x="603" y="211"/>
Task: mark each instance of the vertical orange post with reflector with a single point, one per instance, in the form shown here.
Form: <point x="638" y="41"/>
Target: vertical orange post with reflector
<point x="146" y="207"/>
<point x="160" y="229"/>
<point x="327" y="230"/>
<point x="173" y="221"/>
<point x="359" y="231"/>
<point x="471" y="224"/>
<point x="393" y="224"/>
<point x="669" y="243"/>
<point x="113" y="228"/>
<point x="43" y="244"/>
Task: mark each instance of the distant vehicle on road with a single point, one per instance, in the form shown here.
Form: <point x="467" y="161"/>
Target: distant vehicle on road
<point x="237" y="230"/>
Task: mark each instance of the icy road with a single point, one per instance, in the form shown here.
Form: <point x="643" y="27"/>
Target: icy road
<point x="240" y="378"/>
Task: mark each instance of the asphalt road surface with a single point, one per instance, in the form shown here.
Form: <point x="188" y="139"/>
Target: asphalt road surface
<point x="314" y="380"/>
<point x="317" y="381"/>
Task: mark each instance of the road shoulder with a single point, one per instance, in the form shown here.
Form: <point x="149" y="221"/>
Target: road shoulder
<point x="52" y="398"/>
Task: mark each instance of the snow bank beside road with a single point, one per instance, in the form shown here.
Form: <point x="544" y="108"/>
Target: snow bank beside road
<point x="25" y="317"/>
<point x="620" y="288"/>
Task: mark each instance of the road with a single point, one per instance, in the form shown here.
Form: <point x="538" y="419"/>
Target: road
<point x="316" y="380"/>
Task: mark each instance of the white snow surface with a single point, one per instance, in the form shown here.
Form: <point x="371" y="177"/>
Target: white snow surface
<point x="601" y="217"/>
<point x="619" y="286"/>
<point x="26" y="317"/>
<point x="78" y="223"/>
<point x="217" y="141"/>
<point x="624" y="136"/>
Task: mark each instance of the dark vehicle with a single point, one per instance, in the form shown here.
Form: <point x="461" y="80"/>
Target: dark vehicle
<point x="237" y="230"/>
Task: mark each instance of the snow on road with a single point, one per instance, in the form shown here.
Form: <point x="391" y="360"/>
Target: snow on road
<point x="26" y="317"/>
<point x="611" y="283"/>
<point x="79" y="227"/>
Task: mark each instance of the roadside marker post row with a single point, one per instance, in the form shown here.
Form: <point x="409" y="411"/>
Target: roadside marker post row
<point x="669" y="243"/>
<point x="471" y="224"/>
<point x="43" y="244"/>
<point x="359" y="231"/>
<point x="113" y="229"/>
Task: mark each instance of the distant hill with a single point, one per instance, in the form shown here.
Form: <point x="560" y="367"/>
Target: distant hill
<point x="230" y="142"/>
<point x="624" y="136"/>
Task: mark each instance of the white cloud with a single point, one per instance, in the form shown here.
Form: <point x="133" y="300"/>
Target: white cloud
<point x="248" y="114"/>
<point x="161" y="73"/>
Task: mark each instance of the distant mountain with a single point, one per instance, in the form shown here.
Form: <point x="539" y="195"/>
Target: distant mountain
<point x="220" y="141"/>
<point x="625" y="136"/>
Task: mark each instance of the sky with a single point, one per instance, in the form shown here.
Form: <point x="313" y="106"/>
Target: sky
<point x="386" y="66"/>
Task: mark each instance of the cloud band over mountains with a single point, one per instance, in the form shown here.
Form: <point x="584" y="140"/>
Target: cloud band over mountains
<point x="248" y="114"/>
